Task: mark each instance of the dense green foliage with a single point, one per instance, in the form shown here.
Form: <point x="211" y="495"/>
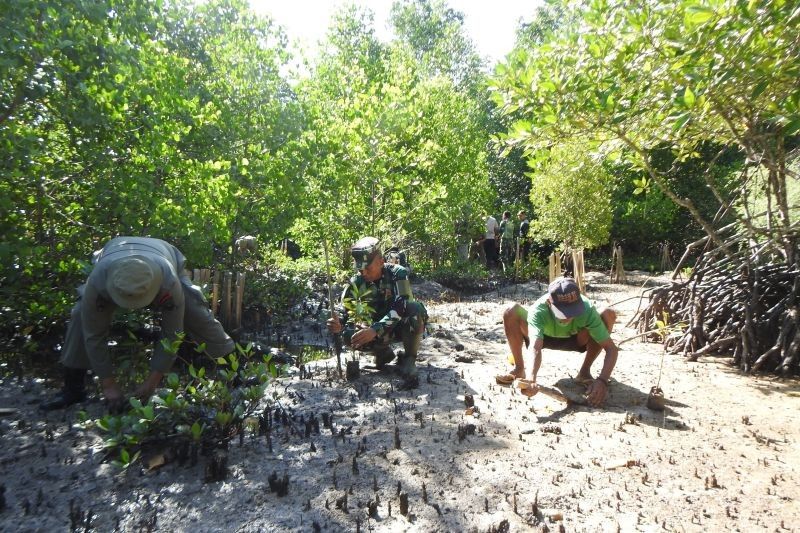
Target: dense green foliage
<point x="629" y="81"/>
<point x="577" y="220"/>
<point x="396" y="144"/>
<point x="185" y="121"/>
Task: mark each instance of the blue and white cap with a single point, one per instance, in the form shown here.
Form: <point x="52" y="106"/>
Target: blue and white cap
<point x="566" y="298"/>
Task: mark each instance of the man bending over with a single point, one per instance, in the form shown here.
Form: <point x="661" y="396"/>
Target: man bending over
<point x="562" y="319"/>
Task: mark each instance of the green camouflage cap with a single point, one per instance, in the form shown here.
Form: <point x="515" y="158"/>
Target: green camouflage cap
<point x="364" y="251"/>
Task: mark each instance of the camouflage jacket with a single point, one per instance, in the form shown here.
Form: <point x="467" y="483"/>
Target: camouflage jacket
<point x="382" y="296"/>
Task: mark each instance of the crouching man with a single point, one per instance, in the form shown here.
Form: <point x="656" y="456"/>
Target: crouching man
<point x="395" y="317"/>
<point x="562" y="319"/>
<point x="131" y="273"/>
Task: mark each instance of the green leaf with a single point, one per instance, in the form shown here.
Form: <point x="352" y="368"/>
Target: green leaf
<point x="681" y="121"/>
<point x="792" y="127"/>
<point x="688" y="97"/>
<point x="148" y="412"/>
<point x="759" y="88"/>
<point x="697" y="14"/>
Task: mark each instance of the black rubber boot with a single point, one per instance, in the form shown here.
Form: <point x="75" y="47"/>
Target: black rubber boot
<point x="412" y="337"/>
<point x="74" y="390"/>
<point x="383" y="356"/>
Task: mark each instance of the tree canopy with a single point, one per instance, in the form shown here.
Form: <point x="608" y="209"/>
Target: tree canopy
<point x="637" y="78"/>
<point x="186" y="121"/>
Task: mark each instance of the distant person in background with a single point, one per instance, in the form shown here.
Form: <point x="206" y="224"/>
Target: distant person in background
<point x="490" y="241"/>
<point x="246" y="244"/>
<point x="507" y="247"/>
<point x="522" y="235"/>
<point x="396" y="256"/>
<point x="131" y="273"/>
<point x="462" y="231"/>
<point x="562" y="319"/>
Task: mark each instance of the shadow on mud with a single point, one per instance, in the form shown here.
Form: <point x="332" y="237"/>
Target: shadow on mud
<point x="624" y="399"/>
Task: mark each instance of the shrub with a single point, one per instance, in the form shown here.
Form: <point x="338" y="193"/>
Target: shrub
<point x="202" y="411"/>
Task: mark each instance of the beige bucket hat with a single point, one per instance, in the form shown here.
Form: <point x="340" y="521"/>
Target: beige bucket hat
<point x="134" y="281"/>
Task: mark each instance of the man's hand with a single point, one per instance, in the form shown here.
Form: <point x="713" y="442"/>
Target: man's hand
<point x="363" y="337"/>
<point x="115" y="400"/>
<point x="148" y="386"/>
<point x="528" y="387"/>
<point x="334" y="326"/>
<point x="597" y="393"/>
<point x="111" y="391"/>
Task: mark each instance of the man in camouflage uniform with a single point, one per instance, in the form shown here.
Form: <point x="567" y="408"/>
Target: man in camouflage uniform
<point x="395" y="315"/>
<point x="524" y="229"/>
<point x="507" y="241"/>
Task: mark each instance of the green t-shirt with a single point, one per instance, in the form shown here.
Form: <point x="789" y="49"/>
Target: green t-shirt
<point x="541" y="322"/>
<point x="507" y="230"/>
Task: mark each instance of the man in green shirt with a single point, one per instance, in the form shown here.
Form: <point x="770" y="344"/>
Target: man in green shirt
<point x="563" y="319"/>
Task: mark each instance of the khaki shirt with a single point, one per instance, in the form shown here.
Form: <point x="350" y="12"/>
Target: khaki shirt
<point x="97" y="307"/>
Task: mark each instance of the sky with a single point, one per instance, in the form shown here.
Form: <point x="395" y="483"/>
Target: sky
<point x="489" y="23"/>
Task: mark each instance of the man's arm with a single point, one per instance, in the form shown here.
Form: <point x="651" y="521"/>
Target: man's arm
<point x="398" y="308"/>
<point x="597" y="392"/>
<point x="611" y="359"/>
<point x="172" y="304"/>
<point x="536" y="356"/>
<point x="536" y="352"/>
<point x="397" y="311"/>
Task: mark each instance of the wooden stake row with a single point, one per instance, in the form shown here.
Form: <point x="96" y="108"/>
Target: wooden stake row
<point x="617" y="267"/>
<point x="226" y="300"/>
<point x="577" y="267"/>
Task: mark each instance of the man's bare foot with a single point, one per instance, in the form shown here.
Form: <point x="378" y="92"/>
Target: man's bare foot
<point x="583" y="379"/>
<point x="518" y="373"/>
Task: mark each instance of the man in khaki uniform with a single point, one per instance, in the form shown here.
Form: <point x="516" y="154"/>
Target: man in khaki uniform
<point x="131" y="273"/>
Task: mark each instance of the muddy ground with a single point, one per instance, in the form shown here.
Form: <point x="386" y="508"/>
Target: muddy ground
<point x="724" y="455"/>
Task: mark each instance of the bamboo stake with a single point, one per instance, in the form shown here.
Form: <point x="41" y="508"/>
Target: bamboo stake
<point x="617" y="266"/>
<point x="555" y="266"/>
<point x="226" y="300"/>
<point x="666" y="261"/>
<point x="330" y="303"/>
<point x="215" y="294"/>
<point x="577" y="266"/>
<point x="237" y="315"/>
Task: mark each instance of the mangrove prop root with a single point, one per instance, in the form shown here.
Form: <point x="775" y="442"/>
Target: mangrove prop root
<point x="745" y="306"/>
